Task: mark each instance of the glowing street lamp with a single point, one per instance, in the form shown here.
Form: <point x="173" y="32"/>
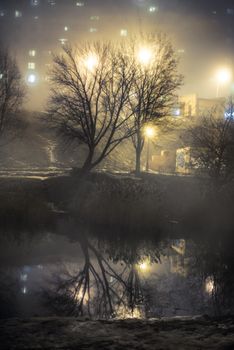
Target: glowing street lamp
<point x="149" y="133"/>
<point x="31" y="79"/>
<point x="223" y="76"/>
<point x="144" y="265"/>
<point x="91" y="62"/>
<point x="144" y="55"/>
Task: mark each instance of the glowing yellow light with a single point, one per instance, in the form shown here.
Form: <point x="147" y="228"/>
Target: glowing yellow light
<point x="144" y="55"/>
<point x="149" y="131"/>
<point x="124" y="312"/>
<point x="209" y="285"/>
<point x="143" y="266"/>
<point x="223" y="75"/>
<point x="91" y="62"/>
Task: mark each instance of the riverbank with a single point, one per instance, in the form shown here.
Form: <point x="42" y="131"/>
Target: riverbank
<point x="156" y="205"/>
<point x="70" y="333"/>
<point x="123" y="203"/>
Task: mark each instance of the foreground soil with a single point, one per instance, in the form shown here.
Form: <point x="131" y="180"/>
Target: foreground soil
<point x="71" y="333"/>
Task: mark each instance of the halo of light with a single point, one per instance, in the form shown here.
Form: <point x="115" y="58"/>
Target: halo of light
<point x="91" y="61"/>
<point x="144" y="55"/>
<point x="149" y="131"/>
<point x="31" y="79"/>
<point x="223" y="75"/>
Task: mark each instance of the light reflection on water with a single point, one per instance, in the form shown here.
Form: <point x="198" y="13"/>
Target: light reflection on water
<point x="87" y="277"/>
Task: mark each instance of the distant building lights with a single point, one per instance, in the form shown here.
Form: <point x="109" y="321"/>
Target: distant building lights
<point x="32" y="53"/>
<point x="63" y="41"/>
<point x="93" y="30"/>
<point x="18" y="14"/>
<point x="31" y="65"/>
<point x="52" y="2"/>
<point x="94" y="18"/>
<point x="123" y="32"/>
<point x="80" y="4"/>
<point x="65" y="28"/>
<point x="35" y="3"/>
<point x="153" y="9"/>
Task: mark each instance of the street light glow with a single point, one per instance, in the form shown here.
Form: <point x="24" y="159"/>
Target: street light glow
<point x="144" y="265"/>
<point x="91" y="62"/>
<point x="149" y="131"/>
<point x="223" y="75"/>
<point x="31" y="79"/>
<point x="144" y="55"/>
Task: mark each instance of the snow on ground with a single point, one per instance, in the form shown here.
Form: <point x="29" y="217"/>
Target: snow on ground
<point x="71" y="333"/>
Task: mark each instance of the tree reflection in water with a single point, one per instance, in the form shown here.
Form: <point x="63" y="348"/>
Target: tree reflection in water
<point x="109" y="284"/>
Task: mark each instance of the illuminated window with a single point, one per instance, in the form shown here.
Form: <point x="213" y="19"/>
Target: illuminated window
<point x="63" y="41"/>
<point x="32" y="53"/>
<point x="24" y="290"/>
<point x="18" y="14"/>
<point x="1" y="76"/>
<point x="153" y="9"/>
<point x="52" y="2"/>
<point x="35" y="2"/>
<point x="31" y="65"/>
<point x="66" y="28"/>
<point x="36" y="18"/>
<point x="93" y="30"/>
<point x="94" y="18"/>
<point x="123" y="32"/>
<point x="2" y="13"/>
<point x="80" y="4"/>
<point x="181" y="51"/>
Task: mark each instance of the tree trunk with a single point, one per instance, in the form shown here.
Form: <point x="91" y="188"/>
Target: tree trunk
<point x="87" y="166"/>
<point x="138" y="148"/>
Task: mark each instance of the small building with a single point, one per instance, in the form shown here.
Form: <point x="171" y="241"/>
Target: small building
<point x="169" y="155"/>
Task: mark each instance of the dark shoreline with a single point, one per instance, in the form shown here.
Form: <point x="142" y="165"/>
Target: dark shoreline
<point x="71" y="333"/>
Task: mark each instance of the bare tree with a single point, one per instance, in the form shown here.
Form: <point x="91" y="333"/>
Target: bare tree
<point x="91" y="85"/>
<point x="103" y="287"/>
<point x="212" y="140"/>
<point x="12" y="91"/>
<point x="154" y="86"/>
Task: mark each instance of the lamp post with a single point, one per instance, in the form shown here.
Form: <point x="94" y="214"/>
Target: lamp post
<point x="223" y="76"/>
<point x="149" y="134"/>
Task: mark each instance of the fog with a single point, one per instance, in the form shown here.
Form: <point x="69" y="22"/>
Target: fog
<point x="202" y="32"/>
<point x="116" y="189"/>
